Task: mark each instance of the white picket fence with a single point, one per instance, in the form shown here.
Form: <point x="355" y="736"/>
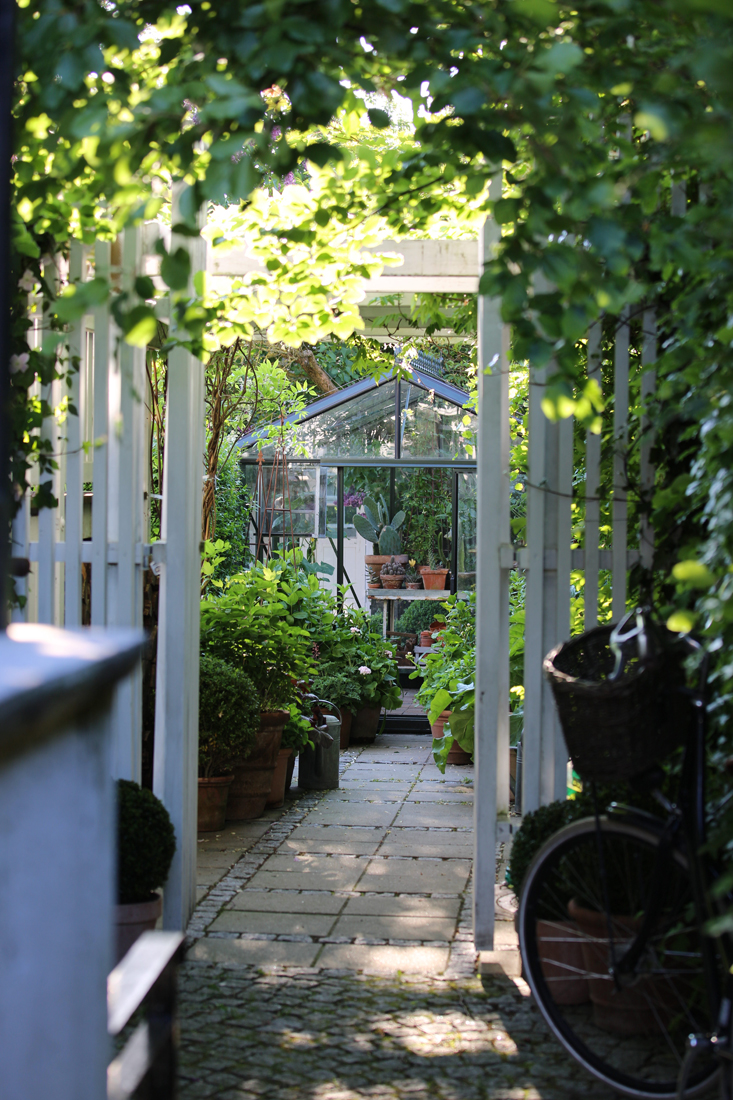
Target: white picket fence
<point x="108" y="527"/>
<point x="548" y="559"/>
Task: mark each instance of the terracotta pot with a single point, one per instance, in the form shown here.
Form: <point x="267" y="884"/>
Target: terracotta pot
<point x="365" y="724"/>
<point x="414" y="585"/>
<point x="212" y="805"/>
<point x="250" y="790"/>
<point x="390" y="581"/>
<point x="132" y="920"/>
<point x="346" y="720"/>
<point x="279" y="777"/>
<point x="426" y="638"/>
<point x="638" y="1009"/>
<point x="437" y="726"/>
<point x="375" y="562"/>
<point x="560" y="949"/>
<point x="459" y="756"/>
<point x="434" y="578"/>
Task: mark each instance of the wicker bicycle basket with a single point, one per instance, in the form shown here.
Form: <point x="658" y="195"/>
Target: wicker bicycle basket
<point x="616" y="729"/>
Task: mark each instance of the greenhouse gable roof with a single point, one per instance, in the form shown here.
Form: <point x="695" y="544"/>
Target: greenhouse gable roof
<point x="407" y="417"/>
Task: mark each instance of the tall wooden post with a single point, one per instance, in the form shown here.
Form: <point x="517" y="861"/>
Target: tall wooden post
<point x="494" y="557"/>
<point x="177" y="678"/>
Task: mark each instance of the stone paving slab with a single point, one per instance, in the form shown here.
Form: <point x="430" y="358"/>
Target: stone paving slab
<point x="402" y="905"/>
<point x="337" y="878"/>
<point x="287" y="901"/>
<point x="447" y="796"/>
<point x="356" y="813"/>
<point x="442" y="845"/>
<point x="384" y="959"/>
<point x="307" y="924"/>
<point x="260" y="953"/>
<point x="454" y="815"/>
<point x="410" y="876"/>
<point x="395" y="927"/>
<point x="384" y="792"/>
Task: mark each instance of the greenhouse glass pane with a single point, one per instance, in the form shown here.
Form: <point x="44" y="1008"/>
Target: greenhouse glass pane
<point x="432" y="427"/>
<point x="466" y="532"/>
<point x="361" y="428"/>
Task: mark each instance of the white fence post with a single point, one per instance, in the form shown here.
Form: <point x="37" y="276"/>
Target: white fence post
<point x="494" y="559"/>
<point x="125" y="505"/>
<point x="592" y="489"/>
<point x="619" y="513"/>
<point x="176" y="702"/>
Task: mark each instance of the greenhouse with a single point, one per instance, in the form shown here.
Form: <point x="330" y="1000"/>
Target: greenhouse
<point x="406" y="440"/>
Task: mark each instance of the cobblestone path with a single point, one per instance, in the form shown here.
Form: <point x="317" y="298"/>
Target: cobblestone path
<point x="334" y="960"/>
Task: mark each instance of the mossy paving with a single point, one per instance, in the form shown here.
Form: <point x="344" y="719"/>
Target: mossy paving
<point x="320" y="1035"/>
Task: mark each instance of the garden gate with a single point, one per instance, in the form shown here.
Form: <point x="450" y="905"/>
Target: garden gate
<point x="99" y="529"/>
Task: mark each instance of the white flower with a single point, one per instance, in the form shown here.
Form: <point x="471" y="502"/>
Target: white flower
<point x="19" y="362"/>
<point x="388" y="652"/>
<point x="27" y="282"/>
<point x="355" y="630"/>
<point x="365" y="670"/>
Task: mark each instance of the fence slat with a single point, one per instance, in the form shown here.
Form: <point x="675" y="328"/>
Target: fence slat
<point x="124" y="521"/>
<point x="648" y="388"/>
<point x="74" y="503"/>
<point x="562" y="611"/>
<point x="592" y="488"/>
<point x="533" y="627"/>
<point x="100" y="435"/>
<point x="48" y="517"/>
<point x="620" y="437"/>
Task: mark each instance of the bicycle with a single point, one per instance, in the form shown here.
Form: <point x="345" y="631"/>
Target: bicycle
<point x="613" y="906"/>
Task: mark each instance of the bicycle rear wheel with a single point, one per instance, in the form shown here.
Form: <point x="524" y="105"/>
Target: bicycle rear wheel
<point x="631" y="1035"/>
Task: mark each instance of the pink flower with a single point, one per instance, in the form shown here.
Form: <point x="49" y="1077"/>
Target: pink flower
<point x="388" y="652"/>
<point x="355" y="630"/>
<point x="19" y="362"/>
<point x="364" y="670"/>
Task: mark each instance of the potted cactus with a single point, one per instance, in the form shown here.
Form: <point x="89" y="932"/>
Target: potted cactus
<point x="392" y="575"/>
<point x="413" y="576"/>
<point x="383" y="533"/>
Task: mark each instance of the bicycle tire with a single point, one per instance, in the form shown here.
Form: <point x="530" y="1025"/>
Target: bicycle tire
<point x="632" y="1038"/>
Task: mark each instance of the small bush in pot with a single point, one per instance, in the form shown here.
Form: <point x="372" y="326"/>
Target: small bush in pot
<point x="146" y="843"/>
<point x="229" y="718"/>
<point x="229" y="711"/>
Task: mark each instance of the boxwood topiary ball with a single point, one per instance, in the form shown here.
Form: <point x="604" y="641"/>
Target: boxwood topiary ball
<point x="146" y="842"/>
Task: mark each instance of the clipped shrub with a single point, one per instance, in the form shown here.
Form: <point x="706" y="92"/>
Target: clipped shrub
<point x="146" y="842"/>
<point x="229" y="716"/>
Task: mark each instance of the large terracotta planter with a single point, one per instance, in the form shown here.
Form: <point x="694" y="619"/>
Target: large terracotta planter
<point x="346" y="720"/>
<point x="279" y="777"/>
<point x="639" y="1009"/>
<point x="365" y="724"/>
<point x="132" y="920"/>
<point x="212" y="804"/>
<point x="437" y="726"/>
<point x="375" y="562"/>
<point x="560" y="949"/>
<point x="434" y="578"/>
<point x="250" y="790"/>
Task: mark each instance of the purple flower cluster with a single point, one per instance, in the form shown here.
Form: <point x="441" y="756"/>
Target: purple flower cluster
<point x="353" y="498"/>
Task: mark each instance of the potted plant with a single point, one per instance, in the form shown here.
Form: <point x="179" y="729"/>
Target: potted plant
<point x="392" y="575"/>
<point x="228" y="723"/>
<point x="379" y="684"/>
<point x="146" y="844"/>
<point x="413" y="576"/>
<point x="253" y="625"/>
<point x="435" y="573"/>
<point x="448" y="689"/>
<point x="296" y="737"/>
<point x="343" y="686"/>
<point x="383" y="533"/>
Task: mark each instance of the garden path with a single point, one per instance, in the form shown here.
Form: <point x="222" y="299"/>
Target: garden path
<point x="334" y="959"/>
